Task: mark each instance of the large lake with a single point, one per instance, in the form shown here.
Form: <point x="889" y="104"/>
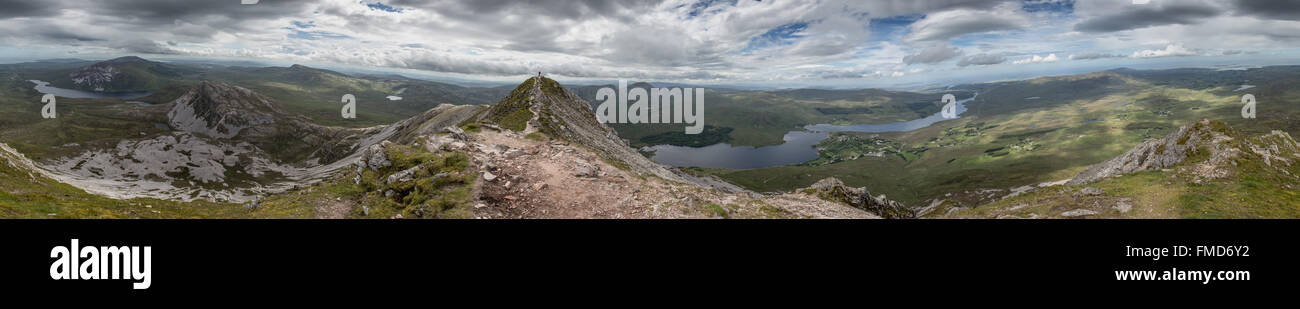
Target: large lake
<point x="44" y="87"/>
<point x="798" y="146"/>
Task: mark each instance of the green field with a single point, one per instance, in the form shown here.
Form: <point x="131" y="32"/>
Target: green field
<point x="1035" y="131"/>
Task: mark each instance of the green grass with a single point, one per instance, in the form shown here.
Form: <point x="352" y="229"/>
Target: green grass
<point x="516" y="120"/>
<point x="426" y="196"/>
<point x="512" y="112"/>
<point x="1251" y="189"/>
<point x="537" y="136"/>
<point x="715" y="210"/>
<point x="1076" y="122"/>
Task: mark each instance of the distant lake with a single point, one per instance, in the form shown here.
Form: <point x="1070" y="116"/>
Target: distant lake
<point x="798" y="146"/>
<point x="44" y="87"/>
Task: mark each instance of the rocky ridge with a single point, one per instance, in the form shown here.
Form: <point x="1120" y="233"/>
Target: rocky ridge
<point x="833" y="189"/>
<point x="1204" y="170"/>
<point x="561" y="114"/>
<point x="1223" y="144"/>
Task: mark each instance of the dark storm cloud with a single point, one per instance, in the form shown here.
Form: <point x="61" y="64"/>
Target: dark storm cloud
<point x="1275" y="9"/>
<point x="26" y="8"/>
<point x="143" y="46"/>
<point x="57" y="33"/>
<point x="155" y="11"/>
<point x="165" y="11"/>
<point x="528" y="25"/>
<point x="557" y="9"/>
<point x="1142" y="16"/>
<point x="203" y="19"/>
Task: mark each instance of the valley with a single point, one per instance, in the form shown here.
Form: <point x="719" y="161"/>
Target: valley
<point x="1030" y="132"/>
<point x="268" y="142"/>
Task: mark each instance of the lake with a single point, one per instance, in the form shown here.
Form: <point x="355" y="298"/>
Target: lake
<point x="44" y="87"/>
<point x="798" y="146"/>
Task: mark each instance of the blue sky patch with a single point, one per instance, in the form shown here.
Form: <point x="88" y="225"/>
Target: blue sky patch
<point x="782" y="35"/>
<point x="314" y="35"/>
<point x="891" y="28"/>
<point x="303" y="25"/>
<point x="1051" y="6"/>
<point x="703" y="5"/>
<point x="380" y="6"/>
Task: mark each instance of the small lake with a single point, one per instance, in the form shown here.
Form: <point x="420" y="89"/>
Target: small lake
<point x="798" y="146"/>
<point x="44" y="87"/>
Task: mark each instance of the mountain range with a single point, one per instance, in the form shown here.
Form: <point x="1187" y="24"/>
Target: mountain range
<point x="268" y="142"/>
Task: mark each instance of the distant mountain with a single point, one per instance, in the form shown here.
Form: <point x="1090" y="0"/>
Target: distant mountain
<point x="124" y="74"/>
<point x="223" y="111"/>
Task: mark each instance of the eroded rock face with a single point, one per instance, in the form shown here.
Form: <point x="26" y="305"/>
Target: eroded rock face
<point x="374" y="158"/>
<point x="95" y="76"/>
<point x="1151" y="154"/>
<point x="178" y="166"/>
<point x="1223" y="145"/>
<point x="835" y="190"/>
<point x="221" y="111"/>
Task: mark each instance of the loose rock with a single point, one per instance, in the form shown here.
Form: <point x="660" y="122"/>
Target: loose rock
<point x="1092" y="191"/>
<point x="1078" y="213"/>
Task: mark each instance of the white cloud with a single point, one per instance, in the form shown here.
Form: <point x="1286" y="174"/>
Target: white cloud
<point x="656" y="40"/>
<point x="1169" y="51"/>
<point x="954" y="23"/>
<point x="1093" y="55"/>
<point x="1037" y="59"/>
<point x="933" y="54"/>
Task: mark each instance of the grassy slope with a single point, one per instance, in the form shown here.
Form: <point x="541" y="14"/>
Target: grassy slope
<point x="426" y="196"/>
<point x="29" y="195"/>
<point x="81" y="121"/>
<point x="512" y="112"/>
<point x="1119" y="113"/>
<point x="1252" y="189"/>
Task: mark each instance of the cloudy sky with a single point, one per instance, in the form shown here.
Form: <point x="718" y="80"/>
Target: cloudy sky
<point x="770" y="42"/>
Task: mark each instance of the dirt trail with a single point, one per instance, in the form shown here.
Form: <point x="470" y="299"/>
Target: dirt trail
<point x="549" y="179"/>
<point x="534" y="108"/>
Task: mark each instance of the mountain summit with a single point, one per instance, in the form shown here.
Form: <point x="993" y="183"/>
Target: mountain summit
<point x="541" y="104"/>
<point x="220" y="110"/>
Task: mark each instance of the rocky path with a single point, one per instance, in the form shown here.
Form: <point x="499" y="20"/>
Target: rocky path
<point x="535" y="108"/>
<point x="524" y="178"/>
